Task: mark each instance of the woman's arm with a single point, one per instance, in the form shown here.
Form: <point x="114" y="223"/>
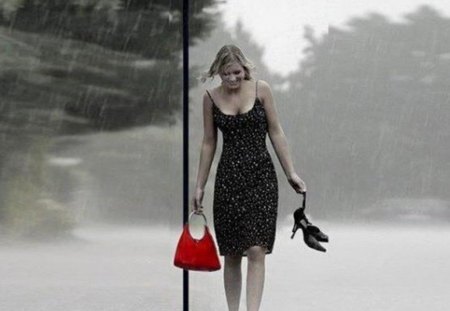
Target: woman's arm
<point x="276" y="133"/>
<point x="209" y="143"/>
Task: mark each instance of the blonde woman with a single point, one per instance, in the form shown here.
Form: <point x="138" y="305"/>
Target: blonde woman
<point x="246" y="188"/>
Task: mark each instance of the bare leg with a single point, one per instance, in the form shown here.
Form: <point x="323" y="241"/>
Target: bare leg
<point x="255" y="276"/>
<point x="232" y="276"/>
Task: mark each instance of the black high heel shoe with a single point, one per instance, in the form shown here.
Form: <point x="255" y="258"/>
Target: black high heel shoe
<point x="311" y="234"/>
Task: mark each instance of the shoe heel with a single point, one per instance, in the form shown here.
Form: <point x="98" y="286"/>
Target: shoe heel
<point x="294" y="230"/>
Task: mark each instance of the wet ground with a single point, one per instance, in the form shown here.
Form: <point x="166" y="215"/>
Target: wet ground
<point x="130" y="268"/>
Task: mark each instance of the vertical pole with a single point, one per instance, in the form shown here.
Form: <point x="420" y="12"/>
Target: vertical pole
<point x="185" y="138"/>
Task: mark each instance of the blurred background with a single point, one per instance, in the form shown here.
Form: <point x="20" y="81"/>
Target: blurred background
<point x="91" y="149"/>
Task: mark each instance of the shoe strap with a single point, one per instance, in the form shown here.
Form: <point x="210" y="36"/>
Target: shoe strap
<point x="304" y="207"/>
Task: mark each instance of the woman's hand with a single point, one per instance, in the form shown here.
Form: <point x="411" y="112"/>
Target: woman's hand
<point x="196" y="203"/>
<point x="297" y="183"/>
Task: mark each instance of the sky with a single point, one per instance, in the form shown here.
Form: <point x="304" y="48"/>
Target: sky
<point x="278" y="25"/>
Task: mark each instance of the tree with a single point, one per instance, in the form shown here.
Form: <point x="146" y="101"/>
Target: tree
<point x="74" y="67"/>
<point x="373" y="102"/>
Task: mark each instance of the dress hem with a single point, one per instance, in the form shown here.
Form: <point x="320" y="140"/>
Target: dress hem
<point x="244" y="254"/>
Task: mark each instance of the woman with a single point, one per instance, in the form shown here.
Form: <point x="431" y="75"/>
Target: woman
<point x="246" y="187"/>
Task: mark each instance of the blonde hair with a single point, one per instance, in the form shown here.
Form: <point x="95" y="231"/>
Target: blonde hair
<point x="228" y="54"/>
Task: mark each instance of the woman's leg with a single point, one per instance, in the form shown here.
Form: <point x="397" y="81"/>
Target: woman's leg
<point x="232" y="276"/>
<point x="255" y="276"/>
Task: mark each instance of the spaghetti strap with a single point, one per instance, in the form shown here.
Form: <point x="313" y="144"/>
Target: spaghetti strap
<point x="210" y="97"/>
<point x="256" y="91"/>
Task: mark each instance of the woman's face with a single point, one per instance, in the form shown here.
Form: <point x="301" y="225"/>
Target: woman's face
<point x="232" y="76"/>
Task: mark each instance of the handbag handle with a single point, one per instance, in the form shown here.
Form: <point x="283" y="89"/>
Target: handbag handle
<point x="198" y="213"/>
<point x="205" y="226"/>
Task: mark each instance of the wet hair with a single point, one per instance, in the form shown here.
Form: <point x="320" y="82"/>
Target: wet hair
<point x="227" y="55"/>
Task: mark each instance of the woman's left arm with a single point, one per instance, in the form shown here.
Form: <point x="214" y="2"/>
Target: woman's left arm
<point x="278" y="138"/>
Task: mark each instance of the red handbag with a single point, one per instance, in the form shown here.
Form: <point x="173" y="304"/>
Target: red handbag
<point x="197" y="255"/>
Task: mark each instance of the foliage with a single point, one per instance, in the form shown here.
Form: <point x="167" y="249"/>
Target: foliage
<point x="147" y="30"/>
<point x="373" y="105"/>
<point x="71" y="67"/>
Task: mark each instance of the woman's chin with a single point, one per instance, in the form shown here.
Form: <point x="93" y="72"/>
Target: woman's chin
<point x="234" y="85"/>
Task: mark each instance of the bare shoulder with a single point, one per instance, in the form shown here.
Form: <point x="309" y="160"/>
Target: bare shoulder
<point x="263" y="84"/>
<point x="208" y="93"/>
<point x="214" y="91"/>
<point x="205" y="95"/>
<point x="207" y="102"/>
<point x="264" y="90"/>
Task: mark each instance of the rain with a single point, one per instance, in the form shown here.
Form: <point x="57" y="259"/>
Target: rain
<point x="91" y="191"/>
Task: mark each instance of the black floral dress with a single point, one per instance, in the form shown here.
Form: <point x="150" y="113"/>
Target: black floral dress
<point x="245" y="200"/>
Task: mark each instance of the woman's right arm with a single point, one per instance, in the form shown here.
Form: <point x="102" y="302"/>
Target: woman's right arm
<point x="207" y="151"/>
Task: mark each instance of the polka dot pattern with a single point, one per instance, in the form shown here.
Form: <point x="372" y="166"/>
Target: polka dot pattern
<point x="245" y="200"/>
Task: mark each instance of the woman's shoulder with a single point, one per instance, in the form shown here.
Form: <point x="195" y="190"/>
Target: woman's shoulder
<point x="263" y="84"/>
<point x="213" y="90"/>
<point x="263" y="89"/>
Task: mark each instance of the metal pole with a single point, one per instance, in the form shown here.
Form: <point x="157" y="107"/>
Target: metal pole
<point x="185" y="138"/>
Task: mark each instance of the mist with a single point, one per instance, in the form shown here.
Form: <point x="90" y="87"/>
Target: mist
<point x="91" y="171"/>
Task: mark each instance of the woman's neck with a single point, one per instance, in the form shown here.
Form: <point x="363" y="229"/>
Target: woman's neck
<point x="232" y="91"/>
